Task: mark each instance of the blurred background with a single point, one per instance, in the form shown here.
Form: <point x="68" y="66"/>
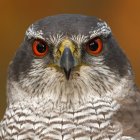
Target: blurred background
<point x="15" y="16"/>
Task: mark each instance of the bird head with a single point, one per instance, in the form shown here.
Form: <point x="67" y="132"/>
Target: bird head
<point x="69" y="58"/>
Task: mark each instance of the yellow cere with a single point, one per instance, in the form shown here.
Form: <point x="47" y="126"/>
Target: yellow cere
<point x="67" y="43"/>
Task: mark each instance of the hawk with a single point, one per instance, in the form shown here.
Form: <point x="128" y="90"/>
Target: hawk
<point x="70" y="80"/>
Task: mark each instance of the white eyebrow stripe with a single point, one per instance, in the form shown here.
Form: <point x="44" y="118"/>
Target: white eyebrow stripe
<point x="79" y="39"/>
<point x="52" y="39"/>
<point x="55" y="39"/>
<point x="101" y="29"/>
<point x="32" y="33"/>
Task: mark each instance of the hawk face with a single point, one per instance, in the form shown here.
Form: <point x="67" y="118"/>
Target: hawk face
<point x="70" y="59"/>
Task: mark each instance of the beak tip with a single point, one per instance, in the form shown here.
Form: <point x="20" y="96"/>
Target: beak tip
<point x="67" y="73"/>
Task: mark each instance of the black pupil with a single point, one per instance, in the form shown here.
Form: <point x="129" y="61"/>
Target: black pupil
<point x="93" y="46"/>
<point x="41" y="48"/>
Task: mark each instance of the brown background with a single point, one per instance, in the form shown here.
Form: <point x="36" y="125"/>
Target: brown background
<point x="15" y="16"/>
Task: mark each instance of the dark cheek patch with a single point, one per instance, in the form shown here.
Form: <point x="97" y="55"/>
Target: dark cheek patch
<point x="115" y="58"/>
<point x="21" y="62"/>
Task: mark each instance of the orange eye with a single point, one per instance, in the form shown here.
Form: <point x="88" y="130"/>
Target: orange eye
<point x="40" y="48"/>
<point x="95" y="46"/>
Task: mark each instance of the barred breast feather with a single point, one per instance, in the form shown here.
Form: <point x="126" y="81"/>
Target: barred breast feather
<point x="90" y="121"/>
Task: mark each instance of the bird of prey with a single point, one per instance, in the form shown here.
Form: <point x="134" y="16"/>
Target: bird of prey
<point x="70" y="80"/>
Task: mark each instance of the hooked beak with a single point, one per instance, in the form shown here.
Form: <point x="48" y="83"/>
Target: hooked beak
<point x="67" y="62"/>
<point x="67" y="59"/>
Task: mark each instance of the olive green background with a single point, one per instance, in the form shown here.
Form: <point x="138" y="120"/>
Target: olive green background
<point x="15" y="16"/>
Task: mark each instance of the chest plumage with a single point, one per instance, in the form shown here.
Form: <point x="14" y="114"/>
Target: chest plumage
<point x="89" y="121"/>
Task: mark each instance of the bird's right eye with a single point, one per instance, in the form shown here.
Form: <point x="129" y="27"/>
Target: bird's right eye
<point x="40" y="48"/>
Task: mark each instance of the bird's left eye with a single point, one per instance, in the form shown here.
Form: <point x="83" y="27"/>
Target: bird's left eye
<point x="40" y="48"/>
<point x="94" y="46"/>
